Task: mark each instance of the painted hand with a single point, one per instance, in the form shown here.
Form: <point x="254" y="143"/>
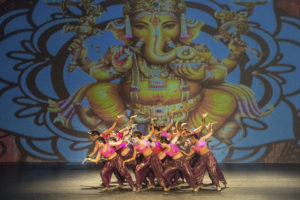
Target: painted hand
<point x="237" y="46"/>
<point x="121" y="59"/>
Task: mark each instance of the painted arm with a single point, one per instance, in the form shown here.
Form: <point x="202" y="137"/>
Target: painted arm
<point x="237" y="47"/>
<point x="117" y="60"/>
<point x="208" y="67"/>
<point x="103" y="69"/>
<point x="205" y="68"/>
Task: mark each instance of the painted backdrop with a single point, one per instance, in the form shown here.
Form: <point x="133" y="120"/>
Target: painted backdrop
<point x="69" y="66"/>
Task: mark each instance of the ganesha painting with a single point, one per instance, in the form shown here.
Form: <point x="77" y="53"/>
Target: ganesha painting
<point x="161" y="71"/>
<point x="71" y="66"/>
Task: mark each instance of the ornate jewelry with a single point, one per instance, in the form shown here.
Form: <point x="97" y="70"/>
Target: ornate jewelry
<point x="133" y="7"/>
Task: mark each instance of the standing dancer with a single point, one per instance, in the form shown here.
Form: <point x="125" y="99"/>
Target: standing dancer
<point x="178" y="163"/>
<point x="150" y="160"/>
<point x="207" y="160"/>
<point x="114" y="161"/>
<point x="124" y="149"/>
<point x="105" y="134"/>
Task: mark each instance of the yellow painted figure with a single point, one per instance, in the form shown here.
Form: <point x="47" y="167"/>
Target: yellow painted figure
<point x="161" y="72"/>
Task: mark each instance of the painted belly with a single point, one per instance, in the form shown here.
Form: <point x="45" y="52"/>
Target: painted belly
<point x="163" y="92"/>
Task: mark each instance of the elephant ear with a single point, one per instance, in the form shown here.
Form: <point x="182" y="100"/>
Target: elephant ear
<point x="193" y="29"/>
<point x="117" y="27"/>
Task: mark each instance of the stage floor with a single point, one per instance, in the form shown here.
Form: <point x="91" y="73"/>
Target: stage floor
<point x="71" y="181"/>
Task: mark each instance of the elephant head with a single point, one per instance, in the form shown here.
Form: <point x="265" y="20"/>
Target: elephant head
<point x="158" y="34"/>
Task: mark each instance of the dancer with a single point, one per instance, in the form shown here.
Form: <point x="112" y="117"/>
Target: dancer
<point x="179" y="162"/>
<point x="150" y="160"/>
<point x="207" y="160"/>
<point x="105" y="134"/>
<point x="114" y="161"/>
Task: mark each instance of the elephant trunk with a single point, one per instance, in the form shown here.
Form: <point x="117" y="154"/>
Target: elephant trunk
<point x="153" y="51"/>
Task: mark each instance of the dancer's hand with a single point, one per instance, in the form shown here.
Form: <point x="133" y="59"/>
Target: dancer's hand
<point x="152" y="120"/>
<point x="211" y="124"/>
<point x="133" y="116"/>
<point x="84" y="161"/>
<point x="119" y="117"/>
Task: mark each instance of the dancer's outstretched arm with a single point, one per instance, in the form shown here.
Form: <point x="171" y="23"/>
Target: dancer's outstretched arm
<point x="210" y="133"/>
<point x="108" y="131"/>
<point x="200" y="128"/>
<point x="133" y="156"/>
<point x="192" y="151"/>
<point x="170" y="124"/>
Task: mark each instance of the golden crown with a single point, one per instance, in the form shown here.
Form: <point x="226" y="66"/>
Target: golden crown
<point x="132" y="7"/>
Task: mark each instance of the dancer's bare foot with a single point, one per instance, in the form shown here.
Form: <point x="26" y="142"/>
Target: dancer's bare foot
<point x="175" y="187"/>
<point x="120" y="186"/>
<point x="138" y="189"/>
<point x="134" y="189"/>
<point x="218" y="188"/>
<point x="150" y="187"/>
<point x="197" y="188"/>
<point x="167" y="189"/>
<point x="105" y="189"/>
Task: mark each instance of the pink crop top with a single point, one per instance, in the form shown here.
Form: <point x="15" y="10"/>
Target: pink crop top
<point x="121" y="146"/>
<point x="200" y="145"/>
<point x="173" y="151"/>
<point x="110" y="151"/>
<point x="105" y="136"/>
<point x="196" y="133"/>
<point x="120" y="135"/>
<point x="164" y="134"/>
<point x="142" y="147"/>
<point x="157" y="147"/>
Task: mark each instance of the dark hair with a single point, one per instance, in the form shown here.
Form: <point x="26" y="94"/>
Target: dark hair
<point x="194" y="136"/>
<point x="94" y="132"/>
<point x="137" y="134"/>
<point x="113" y="139"/>
<point x="164" y="140"/>
<point x="101" y="139"/>
<point x="157" y="128"/>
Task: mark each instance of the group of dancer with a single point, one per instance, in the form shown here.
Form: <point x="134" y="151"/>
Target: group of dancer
<point x="164" y="155"/>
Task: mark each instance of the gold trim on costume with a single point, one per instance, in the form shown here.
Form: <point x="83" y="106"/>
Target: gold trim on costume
<point x="203" y="150"/>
